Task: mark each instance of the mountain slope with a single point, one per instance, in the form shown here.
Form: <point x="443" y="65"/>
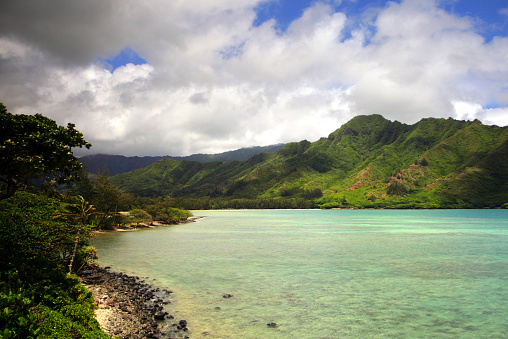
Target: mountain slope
<point x="368" y="162"/>
<point x="117" y="164"/>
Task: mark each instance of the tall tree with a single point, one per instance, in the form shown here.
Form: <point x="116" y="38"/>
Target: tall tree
<point x="35" y="147"/>
<point x="78" y="212"/>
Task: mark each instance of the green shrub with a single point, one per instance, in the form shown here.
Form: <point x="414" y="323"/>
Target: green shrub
<point x="37" y="298"/>
<point x="397" y="188"/>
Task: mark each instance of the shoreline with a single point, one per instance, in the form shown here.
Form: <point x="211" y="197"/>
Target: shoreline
<point x="128" y="307"/>
<point x="142" y="226"/>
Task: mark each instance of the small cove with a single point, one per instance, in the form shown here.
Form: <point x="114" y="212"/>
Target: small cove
<point x="328" y="274"/>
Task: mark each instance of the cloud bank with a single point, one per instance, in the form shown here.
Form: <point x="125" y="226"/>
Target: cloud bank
<point x="214" y="81"/>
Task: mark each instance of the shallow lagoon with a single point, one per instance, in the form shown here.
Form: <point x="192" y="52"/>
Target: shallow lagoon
<point x="328" y="274"/>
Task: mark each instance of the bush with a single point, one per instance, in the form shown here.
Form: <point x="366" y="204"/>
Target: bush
<point x="397" y="188"/>
<point x="37" y="298"/>
<point x="140" y="216"/>
<point x="165" y="212"/>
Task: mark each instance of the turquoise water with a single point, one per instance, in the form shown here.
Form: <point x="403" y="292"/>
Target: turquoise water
<point x="328" y="274"/>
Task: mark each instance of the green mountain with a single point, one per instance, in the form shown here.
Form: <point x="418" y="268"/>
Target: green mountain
<point x="117" y="164"/>
<point x="370" y="162"/>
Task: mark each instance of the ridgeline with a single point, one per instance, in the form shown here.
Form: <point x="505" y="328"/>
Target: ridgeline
<point x="370" y="162"/>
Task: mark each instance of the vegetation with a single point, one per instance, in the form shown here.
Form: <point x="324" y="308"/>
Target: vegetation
<point x="33" y="147"/>
<point x="370" y="162"/>
<point x="77" y="213"/>
<point x="45" y="239"/>
<point x="107" y="199"/>
<point x="116" y="164"/>
<point x="164" y="211"/>
<point x="37" y="298"/>
<point x="109" y="202"/>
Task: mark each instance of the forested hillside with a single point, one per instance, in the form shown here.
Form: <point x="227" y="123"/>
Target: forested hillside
<point x="116" y="164"/>
<point x="370" y="162"/>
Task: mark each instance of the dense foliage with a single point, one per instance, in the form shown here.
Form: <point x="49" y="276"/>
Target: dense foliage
<point x="107" y="199"/>
<point x="110" y="204"/>
<point x="370" y="162"/>
<point x="34" y="146"/>
<point x="43" y="238"/>
<point x="37" y="298"/>
<point x="164" y="210"/>
<point x="38" y="234"/>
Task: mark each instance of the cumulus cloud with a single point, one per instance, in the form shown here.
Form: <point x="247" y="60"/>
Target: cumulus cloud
<point x="214" y="82"/>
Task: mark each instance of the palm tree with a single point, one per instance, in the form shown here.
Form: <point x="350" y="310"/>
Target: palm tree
<point x="78" y="211"/>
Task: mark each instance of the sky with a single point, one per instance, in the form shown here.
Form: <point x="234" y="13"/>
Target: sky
<point x="179" y="77"/>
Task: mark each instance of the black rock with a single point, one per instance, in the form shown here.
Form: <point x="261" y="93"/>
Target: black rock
<point x="159" y="316"/>
<point x="272" y="324"/>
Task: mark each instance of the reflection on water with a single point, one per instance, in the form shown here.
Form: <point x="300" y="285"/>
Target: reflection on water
<point x="328" y="274"/>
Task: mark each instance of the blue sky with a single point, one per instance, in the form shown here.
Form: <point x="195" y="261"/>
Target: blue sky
<point x="126" y="56"/>
<point x="487" y="12"/>
<point x="162" y="77"/>
<point x="488" y="15"/>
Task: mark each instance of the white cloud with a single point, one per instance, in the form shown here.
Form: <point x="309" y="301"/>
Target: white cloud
<point x="466" y="110"/>
<point x="214" y="82"/>
<point x="471" y="111"/>
<point x="494" y="116"/>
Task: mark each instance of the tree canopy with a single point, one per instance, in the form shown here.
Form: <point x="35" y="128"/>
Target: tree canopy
<point x="33" y="147"/>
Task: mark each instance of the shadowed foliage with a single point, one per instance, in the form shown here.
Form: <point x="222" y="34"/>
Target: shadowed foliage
<point x="34" y="147"/>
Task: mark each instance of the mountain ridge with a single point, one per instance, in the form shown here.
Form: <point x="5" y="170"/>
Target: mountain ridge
<point x="116" y="164"/>
<point x="369" y="162"/>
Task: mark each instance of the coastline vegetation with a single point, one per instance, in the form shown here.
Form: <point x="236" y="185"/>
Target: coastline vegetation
<point x="45" y="228"/>
<point x="37" y="298"/>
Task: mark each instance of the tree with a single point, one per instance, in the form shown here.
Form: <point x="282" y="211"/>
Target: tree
<point x="107" y="199"/>
<point x="33" y="147"/>
<point x="165" y="212"/>
<point x="79" y="211"/>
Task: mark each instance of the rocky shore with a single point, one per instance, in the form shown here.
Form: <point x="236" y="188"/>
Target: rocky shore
<point x="129" y="308"/>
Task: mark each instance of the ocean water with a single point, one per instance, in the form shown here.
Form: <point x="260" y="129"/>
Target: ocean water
<point x="327" y="274"/>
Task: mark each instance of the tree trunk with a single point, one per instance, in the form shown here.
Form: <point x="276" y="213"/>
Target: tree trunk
<point x="75" y="246"/>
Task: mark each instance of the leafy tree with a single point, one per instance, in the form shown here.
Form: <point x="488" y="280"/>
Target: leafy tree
<point x="107" y="199"/>
<point x="34" y="147"/>
<point x="165" y="211"/>
<point x="140" y="216"/>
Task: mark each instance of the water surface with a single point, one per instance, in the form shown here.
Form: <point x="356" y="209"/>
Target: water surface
<point x="328" y="274"/>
